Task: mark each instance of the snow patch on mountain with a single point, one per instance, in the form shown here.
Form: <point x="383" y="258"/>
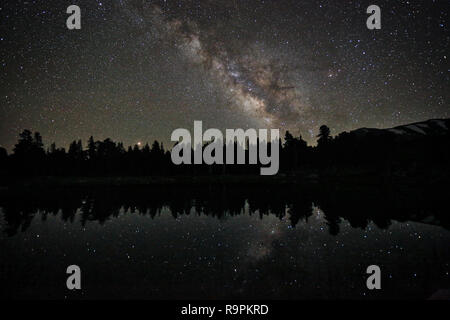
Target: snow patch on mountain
<point x="440" y="123"/>
<point x="397" y="131"/>
<point x="415" y="128"/>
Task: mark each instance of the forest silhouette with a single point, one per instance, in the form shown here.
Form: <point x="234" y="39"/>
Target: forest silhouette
<point x="381" y="154"/>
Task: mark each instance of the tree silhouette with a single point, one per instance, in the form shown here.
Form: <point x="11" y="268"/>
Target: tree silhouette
<point x="294" y="152"/>
<point x="29" y="153"/>
<point x="324" y="136"/>
<point x="92" y="150"/>
<point x="3" y="162"/>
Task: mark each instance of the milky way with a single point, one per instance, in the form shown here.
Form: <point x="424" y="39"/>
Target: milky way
<point x="251" y="82"/>
<point x="138" y="69"/>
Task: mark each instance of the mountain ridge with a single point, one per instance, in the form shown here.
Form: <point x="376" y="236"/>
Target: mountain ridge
<point x="431" y="127"/>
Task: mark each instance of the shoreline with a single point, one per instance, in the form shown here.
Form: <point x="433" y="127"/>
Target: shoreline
<point x="298" y="179"/>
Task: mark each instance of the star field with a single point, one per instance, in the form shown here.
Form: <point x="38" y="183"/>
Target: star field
<point x="139" y="69"/>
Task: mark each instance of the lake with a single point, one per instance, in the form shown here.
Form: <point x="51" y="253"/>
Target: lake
<point x="224" y="242"/>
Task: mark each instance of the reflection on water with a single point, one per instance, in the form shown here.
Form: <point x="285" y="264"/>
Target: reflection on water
<point x="225" y="242"/>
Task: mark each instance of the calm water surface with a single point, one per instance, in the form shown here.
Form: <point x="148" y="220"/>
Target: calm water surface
<point x="221" y="242"/>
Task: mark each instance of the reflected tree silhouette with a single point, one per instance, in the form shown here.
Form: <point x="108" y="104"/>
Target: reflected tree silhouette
<point x="357" y="204"/>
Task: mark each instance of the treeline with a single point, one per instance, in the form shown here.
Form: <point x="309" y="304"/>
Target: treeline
<point x="109" y="158"/>
<point x="382" y="153"/>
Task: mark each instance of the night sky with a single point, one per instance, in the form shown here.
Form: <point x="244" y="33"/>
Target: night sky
<point x="139" y="69"/>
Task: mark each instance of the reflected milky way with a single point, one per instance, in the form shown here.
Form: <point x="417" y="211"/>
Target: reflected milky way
<point x="225" y="242"/>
